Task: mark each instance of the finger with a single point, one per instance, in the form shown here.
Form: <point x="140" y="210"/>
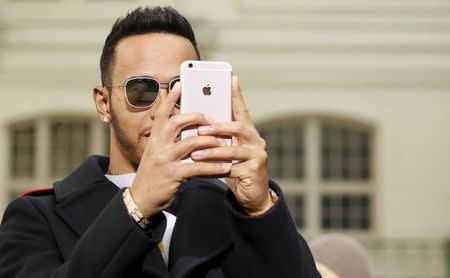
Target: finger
<point x="185" y="147"/>
<point x="223" y="154"/>
<point x="235" y="129"/>
<point x="181" y="121"/>
<point x="242" y="168"/>
<point x="196" y="169"/>
<point x="240" y="110"/>
<point x="168" y="103"/>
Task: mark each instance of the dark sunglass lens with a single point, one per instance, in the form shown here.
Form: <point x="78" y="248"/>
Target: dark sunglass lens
<point x="142" y="92"/>
<point x="172" y="84"/>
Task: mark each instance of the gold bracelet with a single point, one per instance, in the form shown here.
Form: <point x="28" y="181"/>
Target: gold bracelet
<point x="134" y="211"/>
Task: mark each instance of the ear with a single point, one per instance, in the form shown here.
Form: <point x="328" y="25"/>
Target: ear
<point x="101" y="100"/>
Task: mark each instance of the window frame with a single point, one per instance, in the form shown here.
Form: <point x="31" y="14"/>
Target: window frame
<point x="312" y="186"/>
<point x="43" y="173"/>
<point x="12" y="144"/>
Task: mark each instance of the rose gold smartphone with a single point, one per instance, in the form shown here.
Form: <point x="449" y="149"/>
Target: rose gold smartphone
<point x="206" y="88"/>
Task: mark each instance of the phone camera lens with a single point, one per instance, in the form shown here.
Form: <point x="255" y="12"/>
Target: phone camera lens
<point x="190" y="65"/>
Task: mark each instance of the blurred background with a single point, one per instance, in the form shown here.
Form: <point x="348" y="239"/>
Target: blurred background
<point x="353" y="98"/>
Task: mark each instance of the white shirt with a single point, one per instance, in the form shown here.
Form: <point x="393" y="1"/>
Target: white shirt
<point x="123" y="181"/>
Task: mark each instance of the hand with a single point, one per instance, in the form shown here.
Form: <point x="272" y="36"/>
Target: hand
<point x="248" y="178"/>
<point x="161" y="171"/>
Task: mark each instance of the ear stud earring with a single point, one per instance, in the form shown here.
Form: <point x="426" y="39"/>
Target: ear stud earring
<point x="106" y="120"/>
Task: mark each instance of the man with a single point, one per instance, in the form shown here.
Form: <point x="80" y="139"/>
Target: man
<point x="141" y="212"/>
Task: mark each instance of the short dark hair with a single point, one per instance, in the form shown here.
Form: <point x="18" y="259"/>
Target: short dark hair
<point x="143" y="21"/>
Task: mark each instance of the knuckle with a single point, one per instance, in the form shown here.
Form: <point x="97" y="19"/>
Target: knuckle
<point x="175" y="121"/>
<point x="199" y="115"/>
<point x="264" y="156"/>
<point x="215" y="168"/>
<point x="263" y="143"/>
<point x="159" y="159"/>
<point x="196" y="167"/>
<point x="189" y="143"/>
<point x="218" y="168"/>
<point x="241" y="127"/>
<point x="238" y="128"/>
<point x="210" y="140"/>
<point x="234" y="152"/>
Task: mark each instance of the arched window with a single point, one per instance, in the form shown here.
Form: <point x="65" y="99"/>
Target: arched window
<point x="45" y="149"/>
<point x="23" y="150"/>
<point x="325" y="168"/>
<point x="286" y="149"/>
<point x="69" y="145"/>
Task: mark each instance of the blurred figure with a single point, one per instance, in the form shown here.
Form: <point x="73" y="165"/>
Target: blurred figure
<point x="340" y="256"/>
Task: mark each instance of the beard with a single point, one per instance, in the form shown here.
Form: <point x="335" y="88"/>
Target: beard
<point x="126" y="146"/>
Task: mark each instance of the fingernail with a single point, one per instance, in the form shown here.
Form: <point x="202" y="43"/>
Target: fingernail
<point x="226" y="167"/>
<point x="198" y="153"/>
<point x="203" y="129"/>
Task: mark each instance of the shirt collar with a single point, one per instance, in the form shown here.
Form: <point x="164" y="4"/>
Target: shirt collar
<point x="122" y="181"/>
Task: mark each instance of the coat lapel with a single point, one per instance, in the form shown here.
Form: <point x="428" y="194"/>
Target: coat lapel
<point x="81" y="208"/>
<point x="82" y="195"/>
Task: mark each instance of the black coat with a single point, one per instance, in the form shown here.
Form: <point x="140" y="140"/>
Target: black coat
<point x="81" y="229"/>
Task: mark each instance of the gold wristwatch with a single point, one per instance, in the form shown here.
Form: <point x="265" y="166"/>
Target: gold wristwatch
<point x="134" y="211"/>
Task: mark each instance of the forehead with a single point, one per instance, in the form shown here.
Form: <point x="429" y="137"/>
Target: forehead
<point x="156" y="54"/>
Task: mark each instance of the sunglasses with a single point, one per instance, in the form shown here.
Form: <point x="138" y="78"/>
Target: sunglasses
<point x="143" y="91"/>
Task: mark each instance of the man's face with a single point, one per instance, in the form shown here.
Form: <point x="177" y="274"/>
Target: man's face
<point x="157" y="55"/>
